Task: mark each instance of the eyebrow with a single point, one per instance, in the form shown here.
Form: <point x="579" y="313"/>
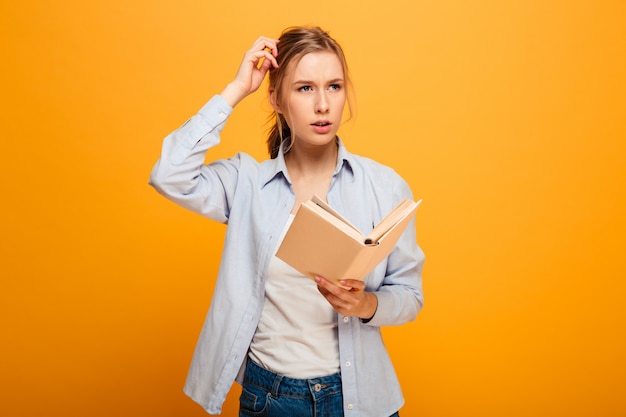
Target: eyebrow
<point x="333" y="81"/>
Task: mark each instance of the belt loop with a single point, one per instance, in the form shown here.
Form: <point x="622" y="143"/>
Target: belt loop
<point x="277" y="380"/>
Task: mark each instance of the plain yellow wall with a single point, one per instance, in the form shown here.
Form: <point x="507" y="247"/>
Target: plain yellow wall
<point x="507" y="117"/>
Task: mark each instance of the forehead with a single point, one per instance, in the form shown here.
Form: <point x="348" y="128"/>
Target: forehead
<point x="318" y="65"/>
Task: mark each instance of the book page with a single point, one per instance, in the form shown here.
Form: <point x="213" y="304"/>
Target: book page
<point x="402" y="210"/>
<point x="332" y="217"/>
<point x="324" y="205"/>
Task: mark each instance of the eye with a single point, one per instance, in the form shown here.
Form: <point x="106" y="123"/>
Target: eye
<point x="305" y="88"/>
<point x="335" y="87"/>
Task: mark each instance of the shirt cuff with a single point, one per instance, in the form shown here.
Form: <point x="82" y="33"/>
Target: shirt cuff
<point x="216" y="110"/>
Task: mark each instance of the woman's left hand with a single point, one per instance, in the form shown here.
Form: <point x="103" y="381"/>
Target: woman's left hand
<point x="352" y="300"/>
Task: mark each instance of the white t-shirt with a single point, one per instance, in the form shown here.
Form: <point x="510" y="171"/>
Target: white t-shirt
<point x="297" y="333"/>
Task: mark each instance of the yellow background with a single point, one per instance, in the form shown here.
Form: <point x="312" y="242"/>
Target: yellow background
<point x="507" y="117"/>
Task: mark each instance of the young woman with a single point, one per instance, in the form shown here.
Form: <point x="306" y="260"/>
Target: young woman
<point x="299" y="347"/>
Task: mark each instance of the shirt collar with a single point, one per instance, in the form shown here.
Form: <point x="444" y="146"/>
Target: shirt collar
<point x="272" y="168"/>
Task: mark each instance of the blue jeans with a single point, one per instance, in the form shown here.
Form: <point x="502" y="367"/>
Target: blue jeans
<point x="266" y="394"/>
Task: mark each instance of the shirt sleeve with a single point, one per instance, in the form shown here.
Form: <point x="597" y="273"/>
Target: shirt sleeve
<point x="181" y="175"/>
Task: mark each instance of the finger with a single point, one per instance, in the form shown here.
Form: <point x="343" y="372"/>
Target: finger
<point x="328" y="285"/>
<point x="336" y="302"/>
<point x="337" y="295"/>
<point x="323" y="282"/>
<point x="257" y="57"/>
<point x="264" y="49"/>
<point x="271" y="59"/>
<point x="354" y="284"/>
<point x="267" y="44"/>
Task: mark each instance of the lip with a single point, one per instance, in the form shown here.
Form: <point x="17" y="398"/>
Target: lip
<point x="322" y="126"/>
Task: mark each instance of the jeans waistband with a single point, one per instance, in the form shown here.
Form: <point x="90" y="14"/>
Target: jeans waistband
<point x="279" y="384"/>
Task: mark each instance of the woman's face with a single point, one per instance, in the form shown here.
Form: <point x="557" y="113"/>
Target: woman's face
<point x="313" y="99"/>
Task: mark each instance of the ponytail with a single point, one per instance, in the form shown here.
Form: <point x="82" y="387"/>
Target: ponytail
<point x="278" y="134"/>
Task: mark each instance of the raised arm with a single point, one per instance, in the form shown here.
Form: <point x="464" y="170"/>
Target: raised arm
<point x="180" y="174"/>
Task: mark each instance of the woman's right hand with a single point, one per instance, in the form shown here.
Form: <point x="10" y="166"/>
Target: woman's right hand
<point x="256" y="63"/>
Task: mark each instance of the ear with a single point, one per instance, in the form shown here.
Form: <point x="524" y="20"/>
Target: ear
<point x="274" y="102"/>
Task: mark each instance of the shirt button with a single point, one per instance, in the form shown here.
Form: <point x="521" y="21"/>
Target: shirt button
<point x="348" y="363"/>
<point x="349" y="406"/>
<point x="346" y="319"/>
<point x="222" y="115"/>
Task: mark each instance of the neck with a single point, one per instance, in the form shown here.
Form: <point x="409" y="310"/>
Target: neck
<point x="311" y="162"/>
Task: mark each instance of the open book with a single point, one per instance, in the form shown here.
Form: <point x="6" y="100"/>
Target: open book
<point x="322" y="242"/>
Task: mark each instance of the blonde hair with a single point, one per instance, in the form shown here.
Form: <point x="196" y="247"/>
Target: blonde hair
<point x="294" y="43"/>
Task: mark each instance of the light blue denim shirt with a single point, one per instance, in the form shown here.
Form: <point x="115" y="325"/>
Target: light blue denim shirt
<point x="255" y="200"/>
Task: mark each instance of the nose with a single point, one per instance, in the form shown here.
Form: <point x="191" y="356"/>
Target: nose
<point x="321" y="105"/>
